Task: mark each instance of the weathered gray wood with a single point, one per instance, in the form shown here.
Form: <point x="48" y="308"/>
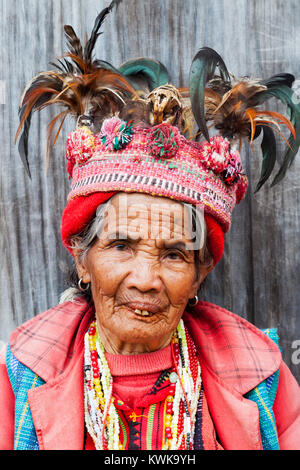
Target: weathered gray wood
<point x="258" y="277"/>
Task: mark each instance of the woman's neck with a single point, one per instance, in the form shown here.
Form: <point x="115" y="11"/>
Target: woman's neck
<point x="113" y="345"/>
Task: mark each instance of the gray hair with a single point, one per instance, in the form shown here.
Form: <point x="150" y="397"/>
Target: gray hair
<point x="86" y="239"/>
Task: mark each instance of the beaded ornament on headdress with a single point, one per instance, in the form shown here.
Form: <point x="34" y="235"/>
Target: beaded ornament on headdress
<point x="101" y="416"/>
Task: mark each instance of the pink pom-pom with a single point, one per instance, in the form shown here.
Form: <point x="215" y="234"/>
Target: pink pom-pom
<point x="215" y="154"/>
<point x="234" y="169"/>
<point x="70" y="164"/>
<point x="80" y="147"/>
<point x="111" y="126"/>
<point x="115" y="133"/>
<point x="241" y="188"/>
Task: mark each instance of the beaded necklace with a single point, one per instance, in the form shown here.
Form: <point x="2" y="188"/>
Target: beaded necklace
<point x="101" y="416"/>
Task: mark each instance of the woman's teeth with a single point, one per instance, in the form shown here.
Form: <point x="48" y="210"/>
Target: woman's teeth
<point x="144" y="313"/>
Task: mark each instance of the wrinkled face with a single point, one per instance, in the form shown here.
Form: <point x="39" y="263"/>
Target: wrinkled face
<point x="141" y="272"/>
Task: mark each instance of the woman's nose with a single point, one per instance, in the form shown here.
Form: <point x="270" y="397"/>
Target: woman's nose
<point x="144" y="276"/>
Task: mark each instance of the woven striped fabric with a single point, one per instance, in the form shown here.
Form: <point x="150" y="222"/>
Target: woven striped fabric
<point x="264" y="395"/>
<point x="22" y="379"/>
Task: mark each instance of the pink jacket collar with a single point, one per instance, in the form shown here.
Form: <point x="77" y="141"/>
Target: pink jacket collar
<point x="235" y="357"/>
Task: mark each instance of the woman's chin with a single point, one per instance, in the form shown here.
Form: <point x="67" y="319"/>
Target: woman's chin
<point x="130" y="327"/>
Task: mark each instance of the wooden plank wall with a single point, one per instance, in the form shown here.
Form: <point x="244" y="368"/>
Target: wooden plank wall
<point x="258" y="277"/>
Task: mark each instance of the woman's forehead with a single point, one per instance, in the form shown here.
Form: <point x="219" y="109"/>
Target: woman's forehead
<point x="148" y="217"/>
<point x="126" y="200"/>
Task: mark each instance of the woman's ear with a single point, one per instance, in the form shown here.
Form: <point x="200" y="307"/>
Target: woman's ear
<point x="81" y="267"/>
<point x="205" y="269"/>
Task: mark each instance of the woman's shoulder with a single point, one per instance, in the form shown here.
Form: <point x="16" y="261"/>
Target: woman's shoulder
<point x="220" y="320"/>
<point x="214" y="317"/>
<point x="45" y="342"/>
<point x="231" y="348"/>
<point x="61" y="315"/>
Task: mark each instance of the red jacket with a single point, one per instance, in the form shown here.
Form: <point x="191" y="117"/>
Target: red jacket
<point x="235" y="357"/>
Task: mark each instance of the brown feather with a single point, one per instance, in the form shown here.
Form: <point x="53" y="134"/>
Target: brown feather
<point x="50" y="130"/>
<point x="233" y="116"/>
<point x="73" y="41"/>
<point x="79" y="85"/>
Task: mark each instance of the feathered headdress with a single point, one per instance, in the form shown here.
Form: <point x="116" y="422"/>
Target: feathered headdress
<point x="139" y="91"/>
<point x="233" y="107"/>
<point x="86" y="88"/>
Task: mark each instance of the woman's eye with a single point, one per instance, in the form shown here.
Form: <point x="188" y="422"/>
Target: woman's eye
<point x="120" y="246"/>
<point x="174" y="255"/>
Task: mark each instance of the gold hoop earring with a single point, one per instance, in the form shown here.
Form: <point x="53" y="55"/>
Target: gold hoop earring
<point x="82" y="286"/>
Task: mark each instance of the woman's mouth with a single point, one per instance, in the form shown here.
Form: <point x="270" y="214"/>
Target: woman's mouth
<point x="143" y="313"/>
<point x="143" y="309"/>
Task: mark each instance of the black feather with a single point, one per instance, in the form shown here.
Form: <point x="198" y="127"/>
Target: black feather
<point x="202" y="71"/>
<point x="88" y="49"/>
<point x="286" y="96"/>
<point x="23" y="142"/>
<point x="62" y="67"/>
<point x="280" y="79"/>
<point x="268" y="147"/>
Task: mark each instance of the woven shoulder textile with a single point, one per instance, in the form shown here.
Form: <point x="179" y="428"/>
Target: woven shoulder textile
<point x="23" y="379"/>
<point x="264" y="395"/>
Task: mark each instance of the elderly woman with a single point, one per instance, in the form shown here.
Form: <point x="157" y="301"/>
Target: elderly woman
<point x="132" y="359"/>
